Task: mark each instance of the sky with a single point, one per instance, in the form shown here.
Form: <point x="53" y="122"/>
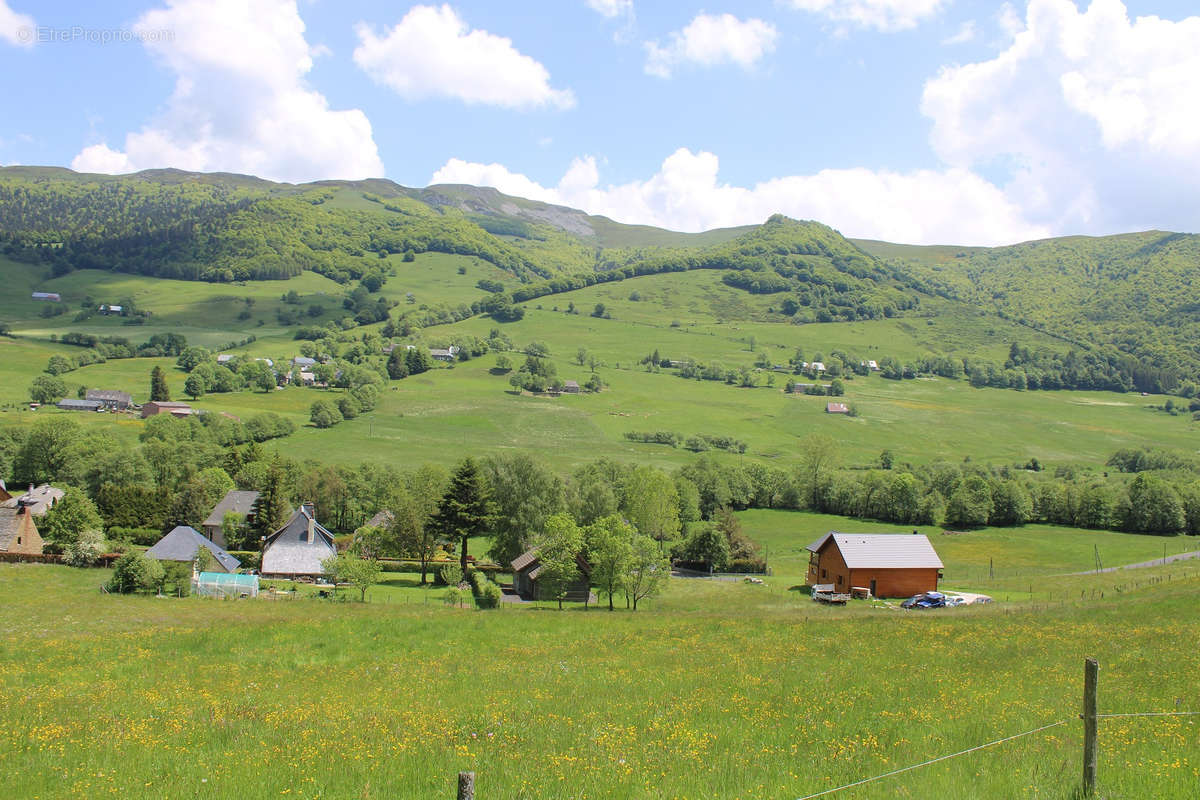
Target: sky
<point x="916" y="121"/>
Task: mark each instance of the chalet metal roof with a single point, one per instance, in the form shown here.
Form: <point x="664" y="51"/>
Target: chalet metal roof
<point x="182" y="544"/>
<point x="235" y="501"/>
<point x="881" y="550"/>
<point x="290" y="550"/>
<point x="524" y="560"/>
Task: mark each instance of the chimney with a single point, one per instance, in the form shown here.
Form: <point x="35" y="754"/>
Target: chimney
<point x="308" y="512"/>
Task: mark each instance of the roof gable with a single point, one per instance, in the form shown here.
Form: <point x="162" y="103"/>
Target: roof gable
<point x="233" y="501"/>
<point x="881" y="550"/>
<point x="290" y="551"/>
<point x="182" y="544"/>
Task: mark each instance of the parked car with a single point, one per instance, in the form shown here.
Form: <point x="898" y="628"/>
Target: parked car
<point x="925" y="600"/>
<point x="955" y="600"/>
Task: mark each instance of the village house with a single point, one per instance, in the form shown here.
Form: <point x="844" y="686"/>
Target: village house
<point x="526" y="569"/>
<point x="886" y="565"/>
<point x="184" y="542"/>
<point x="817" y="366"/>
<point x="38" y="499"/>
<point x="837" y="408"/>
<point x="112" y="399"/>
<point x="297" y="549"/>
<point x="438" y="354"/>
<point x="71" y="404"/>
<point x="166" y="407"/>
<point x="18" y="533"/>
<point x="234" y="502"/>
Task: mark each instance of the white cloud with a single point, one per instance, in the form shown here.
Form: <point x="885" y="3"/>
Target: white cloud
<point x="1096" y="117"/>
<point x="432" y="52"/>
<point x="965" y="33"/>
<point x="611" y="8"/>
<point x="16" y="28"/>
<point x="241" y="103"/>
<point x="709" y="40"/>
<point x="922" y="207"/>
<point x="883" y="15"/>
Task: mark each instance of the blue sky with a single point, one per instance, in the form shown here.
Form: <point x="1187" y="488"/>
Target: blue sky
<point x="925" y="121"/>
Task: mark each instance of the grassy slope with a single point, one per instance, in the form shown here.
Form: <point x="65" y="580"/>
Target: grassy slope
<point x="142" y="696"/>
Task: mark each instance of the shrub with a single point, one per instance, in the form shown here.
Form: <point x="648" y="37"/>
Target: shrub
<point x="487" y="594"/>
<point x="451" y="574"/>
<point x="84" y="551"/>
<point x="134" y="572"/>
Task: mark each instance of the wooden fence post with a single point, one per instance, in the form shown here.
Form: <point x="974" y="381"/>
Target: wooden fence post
<point x="1091" y="670"/>
<point x="466" y="786"/>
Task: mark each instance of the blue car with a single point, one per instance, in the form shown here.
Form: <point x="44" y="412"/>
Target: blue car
<point x="925" y="600"/>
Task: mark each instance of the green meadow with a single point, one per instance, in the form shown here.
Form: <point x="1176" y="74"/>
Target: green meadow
<point x="715" y="690"/>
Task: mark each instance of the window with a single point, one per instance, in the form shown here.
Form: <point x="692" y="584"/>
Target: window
<point x="18" y="540"/>
<point x="824" y="574"/>
<point x="839" y="580"/>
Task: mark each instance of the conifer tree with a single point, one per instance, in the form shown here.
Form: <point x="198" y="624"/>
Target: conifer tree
<point x="271" y="508"/>
<point x="159" y="391"/>
<point x="465" y="509"/>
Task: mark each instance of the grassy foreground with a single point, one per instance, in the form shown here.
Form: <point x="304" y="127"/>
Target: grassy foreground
<point x="755" y="696"/>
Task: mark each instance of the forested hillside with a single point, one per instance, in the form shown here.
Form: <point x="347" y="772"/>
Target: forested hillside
<point x="1131" y="295"/>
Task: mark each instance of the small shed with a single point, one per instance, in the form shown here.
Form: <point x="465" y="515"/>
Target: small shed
<point x="886" y="564"/>
<point x="297" y="549"/>
<point x="18" y="533"/>
<point x="165" y="407"/>
<point x="184" y="542"/>
<point x="837" y="408"/>
<point x="571" y="387"/>
<point x="111" y="398"/>
<point x="224" y="584"/>
<point x="527" y="567"/>
<point x="233" y="502"/>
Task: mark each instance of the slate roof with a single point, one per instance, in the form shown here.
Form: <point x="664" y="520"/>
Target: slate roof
<point x="882" y="550"/>
<point x="110" y="396"/>
<point x="182" y="544"/>
<point x="303" y="361"/>
<point x="235" y="501"/>
<point x="292" y="550"/>
<point x="39" y="499"/>
<point x="71" y="404"/>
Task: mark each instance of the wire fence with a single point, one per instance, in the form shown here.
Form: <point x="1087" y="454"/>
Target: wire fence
<point x="993" y="743"/>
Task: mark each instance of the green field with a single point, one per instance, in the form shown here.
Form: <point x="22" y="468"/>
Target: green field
<point x="718" y="690"/>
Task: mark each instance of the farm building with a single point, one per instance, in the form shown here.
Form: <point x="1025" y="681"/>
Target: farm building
<point x="112" y="399"/>
<point x="887" y="565"/>
<point x="297" y="549"/>
<point x="225" y="358"/>
<point x="183" y="543"/>
<point x="53" y="297"/>
<point x="165" y="407"/>
<point x="39" y="500"/>
<point x="234" y="502"/>
<point x="837" y="408"/>
<point x="303" y="361"/>
<point x="527" y="567"/>
<point x="438" y="354"/>
<point x="71" y="404"/>
<point x="571" y="387"/>
<point x="18" y="533"/>
<point x="224" y="584"/>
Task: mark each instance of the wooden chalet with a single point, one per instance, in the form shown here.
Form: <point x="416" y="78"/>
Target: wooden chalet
<point x="527" y="567"/>
<point x="18" y="532"/>
<point x="297" y="549"/>
<point x="886" y="565"/>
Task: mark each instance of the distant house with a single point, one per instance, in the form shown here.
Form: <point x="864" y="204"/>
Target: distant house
<point x="527" y="568"/>
<point x="837" y="408"/>
<point x="307" y="378"/>
<point x="437" y="354"/>
<point x="112" y="399"/>
<point x="571" y="387"/>
<point x="297" y="549"/>
<point x="70" y="404"/>
<point x="38" y="500"/>
<point x="303" y="361"/>
<point x="888" y="564"/>
<point x="183" y="543"/>
<point x="234" y="502"/>
<point x="817" y="366"/>
<point x="107" y="309"/>
<point x="18" y="533"/>
<point x="53" y="297"/>
<point x="873" y="366"/>
<point x="225" y="358"/>
<point x="165" y="407"/>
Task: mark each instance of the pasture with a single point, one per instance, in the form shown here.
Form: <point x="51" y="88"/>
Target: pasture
<point x="717" y="690"/>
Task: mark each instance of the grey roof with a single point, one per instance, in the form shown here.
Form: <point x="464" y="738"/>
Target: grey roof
<point x="40" y="499"/>
<point x="292" y="551"/>
<point x="524" y="560"/>
<point x="111" y="395"/>
<point x="182" y="544"/>
<point x="235" y="501"/>
<point x="569" y="384"/>
<point x="882" y="550"/>
<point x="303" y="361"/>
<point x="71" y="404"/>
<point x="382" y="520"/>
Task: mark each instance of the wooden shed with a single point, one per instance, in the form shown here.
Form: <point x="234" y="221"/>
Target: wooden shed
<point x="887" y="565"/>
<point x="527" y="567"/>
